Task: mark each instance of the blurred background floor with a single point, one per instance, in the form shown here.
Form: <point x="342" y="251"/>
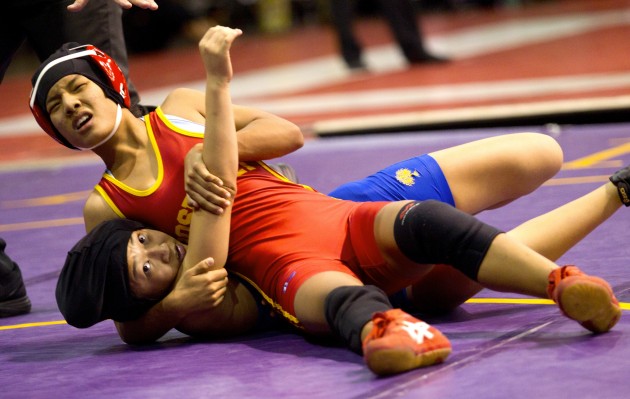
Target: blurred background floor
<point x="512" y="62"/>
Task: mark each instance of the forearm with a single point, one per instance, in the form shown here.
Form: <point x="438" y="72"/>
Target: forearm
<point x="151" y="326"/>
<point x="209" y="233"/>
<point x="236" y="314"/>
<point x="220" y="154"/>
<point x="267" y="137"/>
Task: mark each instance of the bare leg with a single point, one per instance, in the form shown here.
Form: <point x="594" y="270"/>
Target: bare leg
<point x="485" y="174"/>
<point x="551" y="236"/>
<point x="492" y="172"/>
<point x="311" y="296"/>
<point x="547" y="234"/>
<point x="510" y="266"/>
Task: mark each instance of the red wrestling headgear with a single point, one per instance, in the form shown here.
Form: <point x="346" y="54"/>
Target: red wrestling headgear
<point x="73" y="58"/>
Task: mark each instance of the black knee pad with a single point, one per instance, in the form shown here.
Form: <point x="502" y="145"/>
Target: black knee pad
<point x="349" y="308"/>
<point x="434" y="232"/>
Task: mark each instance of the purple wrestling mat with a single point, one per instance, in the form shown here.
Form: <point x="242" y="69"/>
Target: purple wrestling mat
<point x="504" y="346"/>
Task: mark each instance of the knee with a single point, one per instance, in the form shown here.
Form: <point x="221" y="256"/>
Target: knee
<point x="533" y="158"/>
<point x="549" y="152"/>
<point x="548" y="156"/>
<point x="431" y="232"/>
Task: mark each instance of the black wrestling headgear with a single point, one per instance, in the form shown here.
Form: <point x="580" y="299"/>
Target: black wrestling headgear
<point x="94" y="283"/>
<point x="73" y="58"/>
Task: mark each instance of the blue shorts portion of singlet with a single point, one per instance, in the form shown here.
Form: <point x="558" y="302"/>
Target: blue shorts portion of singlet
<point x="419" y="178"/>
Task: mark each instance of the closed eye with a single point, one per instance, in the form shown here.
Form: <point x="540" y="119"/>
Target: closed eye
<point x="52" y="106"/>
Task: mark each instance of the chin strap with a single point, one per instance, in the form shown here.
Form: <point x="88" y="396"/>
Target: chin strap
<point x="109" y="136"/>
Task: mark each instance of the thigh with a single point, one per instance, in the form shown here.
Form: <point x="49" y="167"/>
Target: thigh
<point x="10" y="42"/>
<point x="489" y="173"/>
<point x="100" y="24"/>
<point x="396" y="271"/>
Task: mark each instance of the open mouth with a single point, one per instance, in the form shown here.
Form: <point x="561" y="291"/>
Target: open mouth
<point x="79" y="123"/>
<point x="181" y="252"/>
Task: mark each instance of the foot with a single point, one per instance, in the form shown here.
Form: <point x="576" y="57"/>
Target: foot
<point x="427" y="58"/>
<point x="621" y="179"/>
<point x="13" y="298"/>
<point x="399" y="342"/>
<point x="586" y="299"/>
<point x="356" y="65"/>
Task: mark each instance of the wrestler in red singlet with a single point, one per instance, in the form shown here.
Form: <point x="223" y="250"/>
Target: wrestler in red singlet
<point x="282" y="232"/>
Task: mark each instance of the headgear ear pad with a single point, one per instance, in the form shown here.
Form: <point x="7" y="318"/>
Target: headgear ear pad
<point x="73" y="58"/>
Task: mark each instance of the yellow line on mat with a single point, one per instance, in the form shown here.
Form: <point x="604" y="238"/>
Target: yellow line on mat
<point x="511" y="301"/>
<point x="38" y="324"/>
<point x="527" y="301"/>
<point x="41" y="224"/>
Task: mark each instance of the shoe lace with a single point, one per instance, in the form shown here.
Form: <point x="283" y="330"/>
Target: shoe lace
<point x="558" y="275"/>
<point x="380" y="322"/>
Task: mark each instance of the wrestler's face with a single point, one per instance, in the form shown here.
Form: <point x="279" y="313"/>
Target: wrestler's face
<point x="154" y="259"/>
<point x="80" y="111"/>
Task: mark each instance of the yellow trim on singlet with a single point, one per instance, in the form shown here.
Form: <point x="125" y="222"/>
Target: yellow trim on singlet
<point x="109" y="202"/>
<point x="175" y="128"/>
<point x="280" y="176"/>
<point x="158" y="181"/>
<point x="288" y="316"/>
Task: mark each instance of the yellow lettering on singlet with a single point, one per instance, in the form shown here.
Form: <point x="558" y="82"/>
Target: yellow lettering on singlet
<point x="244" y="168"/>
<point x="182" y="233"/>
<point x="184" y="216"/>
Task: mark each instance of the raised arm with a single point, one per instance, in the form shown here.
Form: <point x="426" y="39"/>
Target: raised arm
<point x="209" y="232"/>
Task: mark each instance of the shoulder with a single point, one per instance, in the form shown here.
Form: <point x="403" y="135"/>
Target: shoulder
<point x="96" y="210"/>
<point x="185" y="103"/>
<point x="183" y="93"/>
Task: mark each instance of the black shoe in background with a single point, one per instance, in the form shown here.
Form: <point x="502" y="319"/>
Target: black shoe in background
<point x="13" y="298"/>
<point x="427" y="58"/>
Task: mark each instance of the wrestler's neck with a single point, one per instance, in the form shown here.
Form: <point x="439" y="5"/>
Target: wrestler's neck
<point x="129" y="155"/>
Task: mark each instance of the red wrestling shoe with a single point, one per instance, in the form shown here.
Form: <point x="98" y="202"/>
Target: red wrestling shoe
<point x="586" y="299"/>
<point x="399" y="342"/>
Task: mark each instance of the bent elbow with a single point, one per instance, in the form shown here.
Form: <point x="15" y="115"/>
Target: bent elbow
<point x="296" y="137"/>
